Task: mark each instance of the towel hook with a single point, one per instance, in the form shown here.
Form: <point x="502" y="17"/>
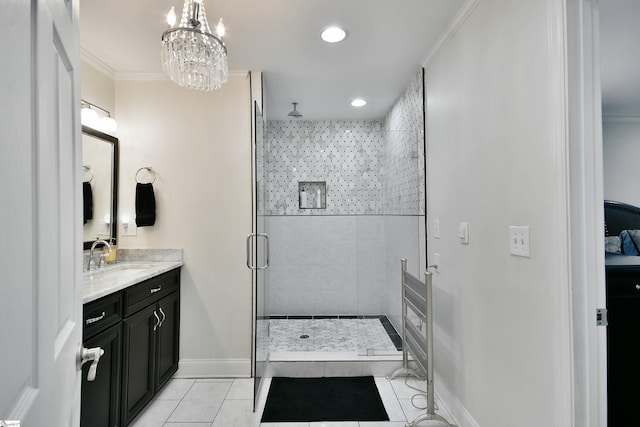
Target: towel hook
<point x="90" y="171"/>
<point x="149" y="170"/>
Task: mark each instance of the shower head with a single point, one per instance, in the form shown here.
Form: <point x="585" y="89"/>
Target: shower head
<point x="295" y="113"/>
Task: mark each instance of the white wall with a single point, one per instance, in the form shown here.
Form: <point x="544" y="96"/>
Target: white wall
<point x="97" y="87"/>
<point x="199" y="145"/>
<point x="496" y="157"/>
<point x="621" y="151"/>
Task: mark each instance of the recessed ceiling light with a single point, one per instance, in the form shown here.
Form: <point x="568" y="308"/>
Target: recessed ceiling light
<point x="333" y="34"/>
<point x="358" y="102"/>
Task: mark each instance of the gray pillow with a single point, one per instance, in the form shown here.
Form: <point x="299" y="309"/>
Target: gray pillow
<point x="612" y="244"/>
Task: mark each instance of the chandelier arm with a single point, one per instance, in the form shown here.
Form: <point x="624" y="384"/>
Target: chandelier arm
<point x="196" y="31"/>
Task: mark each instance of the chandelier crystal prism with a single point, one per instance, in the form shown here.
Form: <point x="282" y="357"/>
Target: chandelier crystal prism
<point x="191" y="55"/>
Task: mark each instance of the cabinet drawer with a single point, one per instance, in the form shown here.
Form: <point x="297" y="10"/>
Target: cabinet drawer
<point x="623" y="284"/>
<point x="150" y="291"/>
<point x="100" y="314"/>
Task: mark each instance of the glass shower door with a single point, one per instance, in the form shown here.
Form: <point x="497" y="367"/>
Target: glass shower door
<point x="258" y="257"/>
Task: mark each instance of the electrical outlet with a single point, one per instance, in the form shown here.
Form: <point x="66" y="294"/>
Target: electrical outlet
<point x="519" y="241"/>
<point x="435" y="266"/>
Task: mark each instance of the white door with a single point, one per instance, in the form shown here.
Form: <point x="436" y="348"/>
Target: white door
<point x="40" y="253"/>
<point x="586" y="212"/>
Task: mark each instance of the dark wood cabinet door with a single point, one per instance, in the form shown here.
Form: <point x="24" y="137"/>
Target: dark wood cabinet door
<point x="623" y="342"/>
<point x="168" y="336"/>
<point x="101" y="398"/>
<point x="138" y="361"/>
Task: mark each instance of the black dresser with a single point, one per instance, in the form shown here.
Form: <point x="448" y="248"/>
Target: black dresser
<point x="623" y="339"/>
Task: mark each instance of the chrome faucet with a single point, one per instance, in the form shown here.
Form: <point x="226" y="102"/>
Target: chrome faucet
<point x="93" y="246"/>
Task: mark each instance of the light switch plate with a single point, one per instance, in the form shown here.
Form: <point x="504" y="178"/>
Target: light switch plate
<point x="436" y="228"/>
<point x="128" y="228"/>
<point x="520" y="240"/>
<point x="463" y="233"/>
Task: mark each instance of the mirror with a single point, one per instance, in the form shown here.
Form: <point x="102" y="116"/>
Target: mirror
<point x="99" y="186"/>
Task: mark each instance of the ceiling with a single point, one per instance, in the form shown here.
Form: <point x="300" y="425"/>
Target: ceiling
<point x="386" y="43"/>
<point x="620" y="57"/>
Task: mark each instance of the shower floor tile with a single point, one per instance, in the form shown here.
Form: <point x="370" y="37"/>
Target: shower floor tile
<point x="358" y="336"/>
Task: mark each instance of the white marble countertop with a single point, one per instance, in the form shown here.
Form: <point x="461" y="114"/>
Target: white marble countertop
<point x="113" y="278"/>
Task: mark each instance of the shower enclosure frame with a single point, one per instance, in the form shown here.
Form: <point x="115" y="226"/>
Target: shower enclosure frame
<point x="258" y="258"/>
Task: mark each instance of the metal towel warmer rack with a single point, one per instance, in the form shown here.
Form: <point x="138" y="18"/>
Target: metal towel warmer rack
<point x="418" y="297"/>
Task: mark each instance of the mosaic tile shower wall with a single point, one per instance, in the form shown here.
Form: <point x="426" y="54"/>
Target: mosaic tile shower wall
<point x="347" y="155"/>
<point x="370" y="167"/>
<point x="404" y="152"/>
<point x="344" y="259"/>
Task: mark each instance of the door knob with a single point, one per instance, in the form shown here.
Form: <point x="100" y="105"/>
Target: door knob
<point x="89" y="355"/>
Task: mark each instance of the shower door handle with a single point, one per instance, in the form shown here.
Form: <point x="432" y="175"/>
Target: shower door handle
<point x="250" y="238"/>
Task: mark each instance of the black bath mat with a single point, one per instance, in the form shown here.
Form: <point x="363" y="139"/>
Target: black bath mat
<point x="323" y="399"/>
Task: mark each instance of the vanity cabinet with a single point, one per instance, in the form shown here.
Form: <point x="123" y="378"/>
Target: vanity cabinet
<point x="102" y="327"/>
<point x="151" y="336"/>
<point x="138" y="329"/>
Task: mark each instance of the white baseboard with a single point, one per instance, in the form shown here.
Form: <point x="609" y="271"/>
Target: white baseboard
<point x="213" y="368"/>
<point x="462" y="417"/>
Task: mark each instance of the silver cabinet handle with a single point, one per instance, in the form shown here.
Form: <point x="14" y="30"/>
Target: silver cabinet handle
<point x="95" y="319"/>
<point x="158" y="320"/>
<point x="249" y="257"/>
<point x="154" y="290"/>
<point x="89" y="355"/>
<point x="164" y="316"/>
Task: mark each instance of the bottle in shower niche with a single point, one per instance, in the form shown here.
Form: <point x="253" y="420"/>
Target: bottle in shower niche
<point x="319" y="197"/>
<point x="303" y="199"/>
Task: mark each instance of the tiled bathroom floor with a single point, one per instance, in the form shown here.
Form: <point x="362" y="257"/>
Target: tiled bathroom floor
<point x="229" y="403"/>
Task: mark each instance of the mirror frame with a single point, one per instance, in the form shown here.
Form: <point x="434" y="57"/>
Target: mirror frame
<point x="86" y="130"/>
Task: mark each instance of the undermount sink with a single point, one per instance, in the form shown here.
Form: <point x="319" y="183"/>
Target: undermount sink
<point x="129" y="271"/>
<point x="132" y="266"/>
<point x="120" y="270"/>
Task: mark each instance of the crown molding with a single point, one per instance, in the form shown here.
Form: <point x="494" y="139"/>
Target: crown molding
<point x="239" y="74"/>
<point x="620" y="119"/>
<point x="141" y="76"/>
<point x="97" y="63"/>
<point x="454" y="25"/>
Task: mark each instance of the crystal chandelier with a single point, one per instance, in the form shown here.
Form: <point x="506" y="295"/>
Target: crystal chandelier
<point x="191" y="55"/>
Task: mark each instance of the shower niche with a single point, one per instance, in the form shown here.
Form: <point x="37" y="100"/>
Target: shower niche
<point x="312" y="194"/>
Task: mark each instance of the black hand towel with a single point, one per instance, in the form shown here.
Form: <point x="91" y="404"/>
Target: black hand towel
<point x="145" y="205"/>
<point x="87" y="202"/>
